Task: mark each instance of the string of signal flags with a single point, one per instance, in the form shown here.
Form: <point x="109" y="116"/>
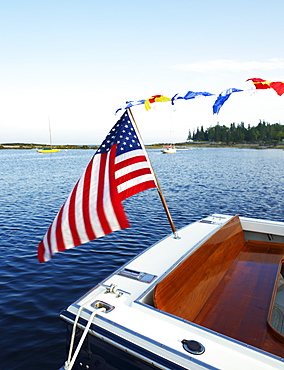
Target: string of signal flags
<point x="259" y="84"/>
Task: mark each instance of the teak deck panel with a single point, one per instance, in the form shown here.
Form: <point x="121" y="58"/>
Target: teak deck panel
<point x="231" y="291"/>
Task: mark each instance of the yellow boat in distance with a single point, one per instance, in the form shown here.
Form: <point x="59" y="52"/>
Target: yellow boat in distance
<point x="48" y="150"/>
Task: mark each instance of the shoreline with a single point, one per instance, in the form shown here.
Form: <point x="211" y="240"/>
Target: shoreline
<point x="185" y="145"/>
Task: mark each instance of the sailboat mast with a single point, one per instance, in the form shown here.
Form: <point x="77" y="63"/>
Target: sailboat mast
<point x="49" y="133"/>
<point x="163" y="200"/>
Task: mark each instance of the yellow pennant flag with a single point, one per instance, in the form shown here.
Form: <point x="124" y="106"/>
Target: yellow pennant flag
<point x="153" y="99"/>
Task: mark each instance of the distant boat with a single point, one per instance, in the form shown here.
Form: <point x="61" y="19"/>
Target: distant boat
<point x="49" y="149"/>
<point x="169" y="149"/>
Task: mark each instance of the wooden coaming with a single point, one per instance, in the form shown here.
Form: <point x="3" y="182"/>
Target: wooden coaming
<point x="228" y="285"/>
<point x="186" y="289"/>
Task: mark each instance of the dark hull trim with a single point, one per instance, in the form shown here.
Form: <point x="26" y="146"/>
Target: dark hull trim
<point x="140" y="352"/>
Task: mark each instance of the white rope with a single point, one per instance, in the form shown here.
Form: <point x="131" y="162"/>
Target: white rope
<point x="69" y="364"/>
<point x="73" y="336"/>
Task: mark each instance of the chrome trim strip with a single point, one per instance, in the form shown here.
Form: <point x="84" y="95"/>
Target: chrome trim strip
<point x="142" y="276"/>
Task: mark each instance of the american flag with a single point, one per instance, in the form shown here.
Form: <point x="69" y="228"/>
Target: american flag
<point x="118" y="170"/>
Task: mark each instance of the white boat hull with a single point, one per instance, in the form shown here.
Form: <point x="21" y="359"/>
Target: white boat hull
<point x="169" y="150"/>
<point x="140" y="336"/>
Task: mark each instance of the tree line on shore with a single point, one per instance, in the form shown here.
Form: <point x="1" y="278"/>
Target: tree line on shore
<point x="263" y="132"/>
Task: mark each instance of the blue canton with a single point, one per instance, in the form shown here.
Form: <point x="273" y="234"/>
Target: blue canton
<point x="122" y="134"/>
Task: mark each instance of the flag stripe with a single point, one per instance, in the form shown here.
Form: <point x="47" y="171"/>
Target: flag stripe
<point x="137" y="189"/>
<point x="136" y="152"/>
<point x="101" y="183"/>
<point x="115" y="199"/>
<point x="96" y="225"/>
<point x="72" y="217"/>
<point x="86" y="202"/>
<point x="133" y="182"/>
<point x="134" y="167"/>
<point x="41" y="252"/>
<point x="108" y="205"/>
<point x="133" y="174"/>
<point x="58" y="232"/>
<point x="129" y="161"/>
<point x="65" y="225"/>
<point x="47" y="241"/>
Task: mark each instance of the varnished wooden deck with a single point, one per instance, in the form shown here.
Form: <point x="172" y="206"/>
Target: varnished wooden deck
<point x="230" y="291"/>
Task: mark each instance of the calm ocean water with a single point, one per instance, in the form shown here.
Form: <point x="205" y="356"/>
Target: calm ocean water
<point x="196" y="182"/>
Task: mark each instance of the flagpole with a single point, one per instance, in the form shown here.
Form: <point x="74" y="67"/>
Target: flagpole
<point x="163" y="200"/>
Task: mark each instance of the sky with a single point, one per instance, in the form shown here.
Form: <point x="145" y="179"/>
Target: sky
<point x="74" y="63"/>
